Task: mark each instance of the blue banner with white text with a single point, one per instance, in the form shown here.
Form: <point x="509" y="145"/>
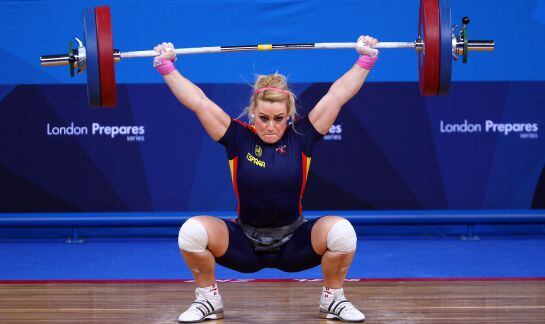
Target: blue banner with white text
<point x="384" y="152"/>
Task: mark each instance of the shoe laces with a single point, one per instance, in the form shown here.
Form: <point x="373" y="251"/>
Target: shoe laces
<point x="348" y="306"/>
<point x="202" y="297"/>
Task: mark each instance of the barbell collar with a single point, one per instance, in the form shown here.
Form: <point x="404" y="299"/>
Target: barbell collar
<point x="117" y="55"/>
<point x="476" y="46"/>
<point x="54" y="60"/>
<point x="64" y="59"/>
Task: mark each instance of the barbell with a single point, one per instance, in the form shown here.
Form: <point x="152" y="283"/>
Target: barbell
<point x="437" y="45"/>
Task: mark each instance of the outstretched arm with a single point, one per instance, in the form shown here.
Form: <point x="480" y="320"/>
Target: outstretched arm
<point x="214" y="120"/>
<point x="323" y="115"/>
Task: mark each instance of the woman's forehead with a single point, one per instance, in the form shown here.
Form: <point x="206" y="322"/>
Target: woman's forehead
<point x="271" y="107"/>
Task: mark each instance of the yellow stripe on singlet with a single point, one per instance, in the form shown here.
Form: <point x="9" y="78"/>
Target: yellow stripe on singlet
<point x="308" y="165"/>
<point x="231" y="166"/>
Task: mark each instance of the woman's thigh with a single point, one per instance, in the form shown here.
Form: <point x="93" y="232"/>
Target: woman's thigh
<point x="240" y="255"/>
<point x="218" y="234"/>
<point x="298" y="254"/>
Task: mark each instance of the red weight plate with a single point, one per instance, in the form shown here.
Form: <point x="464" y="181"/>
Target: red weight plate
<point x="105" y="57"/>
<point x="429" y="32"/>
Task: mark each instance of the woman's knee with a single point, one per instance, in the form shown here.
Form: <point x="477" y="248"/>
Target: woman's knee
<point x="335" y="234"/>
<point x="201" y="233"/>
<point x="342" y="237"/>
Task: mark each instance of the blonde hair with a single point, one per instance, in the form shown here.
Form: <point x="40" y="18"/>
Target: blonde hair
<point x="275" y="80"/>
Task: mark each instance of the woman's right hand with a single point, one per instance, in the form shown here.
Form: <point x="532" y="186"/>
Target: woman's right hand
<point x="166" y="51"/>
<point x="163" y="62"/>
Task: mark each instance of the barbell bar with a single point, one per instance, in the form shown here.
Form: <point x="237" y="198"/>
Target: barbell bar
<point x="436" y="45"/>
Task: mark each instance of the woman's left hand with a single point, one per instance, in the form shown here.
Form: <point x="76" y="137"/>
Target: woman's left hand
<point x="364" y="46"/>
<point x="166" y="51"/>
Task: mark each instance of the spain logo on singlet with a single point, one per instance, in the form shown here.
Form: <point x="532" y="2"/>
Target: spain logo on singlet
<point x="258" y="151"/>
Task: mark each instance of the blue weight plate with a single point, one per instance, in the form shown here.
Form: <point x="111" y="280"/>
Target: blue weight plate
<point x="445" y="67"/>
<point x="91" y="48"/>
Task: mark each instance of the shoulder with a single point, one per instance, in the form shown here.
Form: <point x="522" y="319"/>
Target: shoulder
<point x="305" y="133"/>
<point x="240" y="124"/>
<point x="303" y="126"/>
<point x="237" y="131"/>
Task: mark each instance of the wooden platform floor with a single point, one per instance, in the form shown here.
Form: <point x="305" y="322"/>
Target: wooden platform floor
<point x="276" y="302"/>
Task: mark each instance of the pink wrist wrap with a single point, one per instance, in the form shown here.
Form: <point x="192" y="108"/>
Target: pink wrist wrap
<point x="165" y="67"/>
<point x="366" y="62"/>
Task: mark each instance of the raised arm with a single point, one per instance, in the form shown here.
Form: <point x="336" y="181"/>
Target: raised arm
<point x="214" y="120"/>
<point x="323" y="115"/>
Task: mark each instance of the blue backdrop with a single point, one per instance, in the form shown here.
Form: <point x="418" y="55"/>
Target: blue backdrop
<point x="481" y="147"/>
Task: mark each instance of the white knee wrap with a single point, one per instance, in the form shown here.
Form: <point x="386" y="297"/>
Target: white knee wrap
<point x="342" y="237"/>
<point x="192" y="236"/>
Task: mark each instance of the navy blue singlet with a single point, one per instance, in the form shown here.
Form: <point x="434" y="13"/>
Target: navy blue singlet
<point x="269" y="179"/>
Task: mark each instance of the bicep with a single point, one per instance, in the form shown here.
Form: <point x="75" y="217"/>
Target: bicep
<point x="214" y="120"/>
<point x="323" y="115"/>
<point x="326" y="111"/>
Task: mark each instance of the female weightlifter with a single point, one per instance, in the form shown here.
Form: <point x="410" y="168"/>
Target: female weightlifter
<point x="269" y="158"/>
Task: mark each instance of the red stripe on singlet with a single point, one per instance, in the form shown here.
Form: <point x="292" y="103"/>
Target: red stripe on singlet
<point x="250" y="127"/>
<point x="235" y="185"/>
<point x="304" y="161"/>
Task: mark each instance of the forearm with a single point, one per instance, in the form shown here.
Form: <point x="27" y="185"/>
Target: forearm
<point x="187" y="93"/>
<point x="349" y="84"/>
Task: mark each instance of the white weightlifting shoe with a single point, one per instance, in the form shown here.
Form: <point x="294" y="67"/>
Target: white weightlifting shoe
<point x="207" y="306"/>
<point x="336" y="306"/>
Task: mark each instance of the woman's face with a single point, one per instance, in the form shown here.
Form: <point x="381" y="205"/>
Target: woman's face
<point x="270" y="120"/>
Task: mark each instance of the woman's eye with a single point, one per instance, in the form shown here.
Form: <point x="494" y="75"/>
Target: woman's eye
<point x="263" y="118"/>
<point x="278" y="119"/>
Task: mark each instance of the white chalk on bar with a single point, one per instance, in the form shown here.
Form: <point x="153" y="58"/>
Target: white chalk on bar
<point x="220" y="49"/>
